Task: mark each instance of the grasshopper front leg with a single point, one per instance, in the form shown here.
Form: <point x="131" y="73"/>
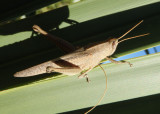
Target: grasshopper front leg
<point x="119" y="62"/>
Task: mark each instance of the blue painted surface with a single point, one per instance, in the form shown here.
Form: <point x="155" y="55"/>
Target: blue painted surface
<point x="137" y="54"/>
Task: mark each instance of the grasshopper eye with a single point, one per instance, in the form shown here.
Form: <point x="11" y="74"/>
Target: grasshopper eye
<point x="113" y="43"/>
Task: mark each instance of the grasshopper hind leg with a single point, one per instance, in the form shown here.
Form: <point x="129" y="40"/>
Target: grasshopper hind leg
<point x="87" y="78"/>
<point x="64" y="70"/>
<point x="84" y="75"/>
<point x="64" y="45"/>
<point x="49" y="69"/>
<point x="68" y="71"/>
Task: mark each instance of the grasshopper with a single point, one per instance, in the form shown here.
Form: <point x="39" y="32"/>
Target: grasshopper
<point x="76" y="60"/>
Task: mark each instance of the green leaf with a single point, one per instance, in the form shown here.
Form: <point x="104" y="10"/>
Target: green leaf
<point x="98" y="20"/>
<point x="71" y="93"/>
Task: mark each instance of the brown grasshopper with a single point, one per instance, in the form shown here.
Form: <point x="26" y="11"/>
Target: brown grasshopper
<point x="76" y="61"/>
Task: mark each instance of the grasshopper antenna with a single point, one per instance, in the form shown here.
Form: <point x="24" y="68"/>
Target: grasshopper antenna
<point x="134" y="37"/>
<point x="130" y="30"/>
<point x="102" y="95"/>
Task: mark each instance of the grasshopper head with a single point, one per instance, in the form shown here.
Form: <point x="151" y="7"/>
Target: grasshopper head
<point x="112" y="45"/>
<point x="113" y="42"/>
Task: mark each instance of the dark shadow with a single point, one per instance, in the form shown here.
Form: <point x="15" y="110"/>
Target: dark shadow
<point x="147" y="51"/>
<point x="37" y="49"/>
<point x="11" y="9"/>
<point x="35" y="43"/>
<point x="47" y="21"/>
<point x="142" y="105"/>
<point x="10" y="82"/>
